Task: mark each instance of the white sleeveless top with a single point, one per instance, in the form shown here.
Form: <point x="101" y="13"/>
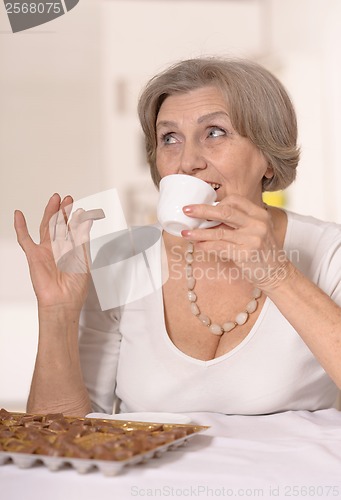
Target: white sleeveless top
<point x="126" y="351"/>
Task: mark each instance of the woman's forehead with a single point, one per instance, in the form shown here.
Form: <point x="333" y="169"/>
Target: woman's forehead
<point x="204" y="100"/>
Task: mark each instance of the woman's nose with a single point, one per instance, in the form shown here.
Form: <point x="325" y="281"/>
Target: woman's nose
<point x="191" y="158"/>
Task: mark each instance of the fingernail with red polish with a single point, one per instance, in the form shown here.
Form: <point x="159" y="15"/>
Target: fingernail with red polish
<point x="186" y="233"/>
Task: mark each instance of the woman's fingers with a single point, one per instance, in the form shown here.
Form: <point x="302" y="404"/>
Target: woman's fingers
<point x="71" y="245"/>
<point x="59" y="220"/>
<point x="56" y="212"/>
<point x="245" y="234"/>
<point x="67" y="234"/>
<point x="238" y="229"/>
<point x="66" y="207"/>
<point x="234" y="211"/>
<point x="51" y="209"/>
<point x="23" y="236"/>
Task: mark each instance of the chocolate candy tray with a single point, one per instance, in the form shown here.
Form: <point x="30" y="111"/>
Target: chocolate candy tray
<point x="59" y="441"/>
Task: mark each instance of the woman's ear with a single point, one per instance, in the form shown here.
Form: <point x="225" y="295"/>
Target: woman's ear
<point x="269" y="173"/>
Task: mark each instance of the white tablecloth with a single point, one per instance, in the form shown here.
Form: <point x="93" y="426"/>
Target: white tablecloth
<point x="286" y="455"/>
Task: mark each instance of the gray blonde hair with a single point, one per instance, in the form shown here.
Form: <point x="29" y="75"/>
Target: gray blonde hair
<point x="259" y="108"/>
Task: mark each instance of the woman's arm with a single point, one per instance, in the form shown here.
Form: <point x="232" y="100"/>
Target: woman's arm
<point x="57" y="383"/>
<point x="314" y="315"/>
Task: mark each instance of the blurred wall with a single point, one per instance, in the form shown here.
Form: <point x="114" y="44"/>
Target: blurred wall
<point x="50" y="140"/>
<point x="68" y="93"/>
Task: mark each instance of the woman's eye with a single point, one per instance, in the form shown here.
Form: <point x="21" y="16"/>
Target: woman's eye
<point x="216" y="132"/>
<point x="168" y="139"/>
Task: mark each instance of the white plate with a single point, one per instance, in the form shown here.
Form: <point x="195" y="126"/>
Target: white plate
<point x="166" y="418"/>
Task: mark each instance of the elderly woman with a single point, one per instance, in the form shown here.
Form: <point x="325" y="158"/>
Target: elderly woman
<point x="253" y="323"/>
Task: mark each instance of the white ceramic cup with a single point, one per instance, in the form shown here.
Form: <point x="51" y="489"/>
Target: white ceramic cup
<point x="176" y="191"/>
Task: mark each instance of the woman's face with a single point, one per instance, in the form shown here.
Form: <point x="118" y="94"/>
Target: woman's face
<point x="195" y="137"/>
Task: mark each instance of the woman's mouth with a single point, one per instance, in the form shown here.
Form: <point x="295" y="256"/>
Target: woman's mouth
<point x="215" y="185"/>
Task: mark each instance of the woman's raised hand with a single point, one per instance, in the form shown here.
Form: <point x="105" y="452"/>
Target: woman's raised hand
<point x="245" y="236"/>
<point x="59" y="264"/>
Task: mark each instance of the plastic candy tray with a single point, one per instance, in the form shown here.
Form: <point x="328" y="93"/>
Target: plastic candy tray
<point x="57" y="441"/>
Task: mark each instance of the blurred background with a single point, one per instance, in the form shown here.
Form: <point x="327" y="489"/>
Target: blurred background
<point x="68" y="122"/>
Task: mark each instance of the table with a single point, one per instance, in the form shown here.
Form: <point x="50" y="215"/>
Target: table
<point x="295" y="454"/>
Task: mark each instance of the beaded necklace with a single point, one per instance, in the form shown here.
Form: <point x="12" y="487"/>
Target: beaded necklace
<point x="215" y="328"/>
